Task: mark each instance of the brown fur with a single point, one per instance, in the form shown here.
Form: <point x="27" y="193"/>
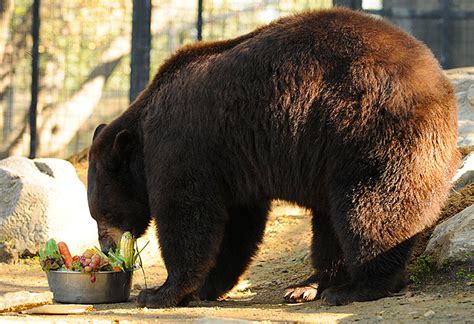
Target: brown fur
<point x="337" y="111"/>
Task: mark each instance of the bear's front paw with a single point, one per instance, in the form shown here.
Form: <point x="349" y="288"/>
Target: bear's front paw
<point x="156" y="298"/>
<point x="209" y="292"/>
<point x="348" y="293"/>
<point x="301" y="294"/>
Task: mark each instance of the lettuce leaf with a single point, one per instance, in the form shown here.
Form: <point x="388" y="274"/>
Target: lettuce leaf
<point x="50" y="258"/>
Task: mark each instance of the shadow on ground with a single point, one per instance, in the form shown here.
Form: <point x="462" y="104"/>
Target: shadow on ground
<point x="283" y="259"/>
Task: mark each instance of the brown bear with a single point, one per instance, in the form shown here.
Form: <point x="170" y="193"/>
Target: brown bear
<point x="334" y="110"/>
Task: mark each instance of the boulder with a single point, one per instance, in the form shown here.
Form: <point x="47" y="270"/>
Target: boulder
<point x="465" y="174"/>
<point x="463" y="82"/>
<point x="453" y="240"/>
<point x="42" y="199"/>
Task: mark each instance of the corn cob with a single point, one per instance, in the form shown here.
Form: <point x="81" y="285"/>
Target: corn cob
<point x="127" y="250"/>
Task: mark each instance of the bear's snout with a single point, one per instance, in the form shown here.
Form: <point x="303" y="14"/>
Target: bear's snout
<point x="107" y="244"/>
<point x="109" y="237"/>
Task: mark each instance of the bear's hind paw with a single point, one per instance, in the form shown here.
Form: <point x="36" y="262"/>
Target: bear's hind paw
<point x="348" y="293"/>
<point x="155" y="298"/>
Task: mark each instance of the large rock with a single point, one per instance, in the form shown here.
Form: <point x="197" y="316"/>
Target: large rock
<point x="42" y="199"/>
<point x="463" y="81"/>
<point x="453" y="240"/>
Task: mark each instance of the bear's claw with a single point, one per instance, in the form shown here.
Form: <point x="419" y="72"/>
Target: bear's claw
<point x="301" y="294"/>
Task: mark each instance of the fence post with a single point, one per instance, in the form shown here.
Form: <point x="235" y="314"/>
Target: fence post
<point x="141" y="46"/>
<point x="353" y="4"/>
<point x="445" y="31"/>
<point x="199" y="20"/>
<point x="34" y="77"/>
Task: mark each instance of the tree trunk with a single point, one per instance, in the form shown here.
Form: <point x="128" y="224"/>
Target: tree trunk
<point x="6" y="9"/>
<point x="58" y="124"/>
<point x="14" y="50"/>
<point x="11" y="50"/>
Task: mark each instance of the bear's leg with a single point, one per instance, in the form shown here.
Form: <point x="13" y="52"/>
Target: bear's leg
<point x="244" y="232"/>
<point x="376" y="241"/>
<point x="327" y="260"/>
<point x="382" y="277"/>
<point x="191" y="227"/>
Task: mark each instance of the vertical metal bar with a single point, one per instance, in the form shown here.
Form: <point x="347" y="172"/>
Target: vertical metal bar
<point x="445" y="31"/>
<point x="34" y="77"/>
<point x="342" y="3"/>
<point x="199" y="20"/>
<point x="353" y="4"/>
<point x="141" y="47"/>
<point x="356" y="4"/>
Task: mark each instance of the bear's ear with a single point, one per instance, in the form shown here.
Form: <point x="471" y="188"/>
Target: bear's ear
<point x="123" y="144"/>
<point x="98" y="130"/>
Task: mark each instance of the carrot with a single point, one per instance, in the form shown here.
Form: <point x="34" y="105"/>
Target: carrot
<point x="117" y="268"/>
<point x="66" y="255"/>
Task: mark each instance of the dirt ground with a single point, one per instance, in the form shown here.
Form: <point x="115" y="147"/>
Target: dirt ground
<point x="283" y="259"/>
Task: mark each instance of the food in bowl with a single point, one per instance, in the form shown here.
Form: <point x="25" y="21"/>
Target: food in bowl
<point x="92" y="277"/>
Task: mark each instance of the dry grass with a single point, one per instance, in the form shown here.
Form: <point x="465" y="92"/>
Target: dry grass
<point x="465" y="150"/>
<point x="80" y="161"/>
<point x="457" y="202"/>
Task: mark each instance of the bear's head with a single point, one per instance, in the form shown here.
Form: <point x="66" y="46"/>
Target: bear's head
<point x="116" y="185"/>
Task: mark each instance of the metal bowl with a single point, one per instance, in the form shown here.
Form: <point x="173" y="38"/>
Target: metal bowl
<point x="78" y="288"/>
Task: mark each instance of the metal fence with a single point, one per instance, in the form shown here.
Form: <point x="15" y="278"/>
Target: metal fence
<point x="84" y="51"/>
<point x="446" y="26"/>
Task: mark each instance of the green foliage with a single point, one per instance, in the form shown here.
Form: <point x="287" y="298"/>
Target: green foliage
<point x="50" y="258"/>
<point x="34" y="258"/>
<point x="465" y="274"/>
<point x="421" y="269"/>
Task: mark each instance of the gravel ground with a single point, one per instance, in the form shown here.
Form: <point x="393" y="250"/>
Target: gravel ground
<point x="283" y="259"/>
